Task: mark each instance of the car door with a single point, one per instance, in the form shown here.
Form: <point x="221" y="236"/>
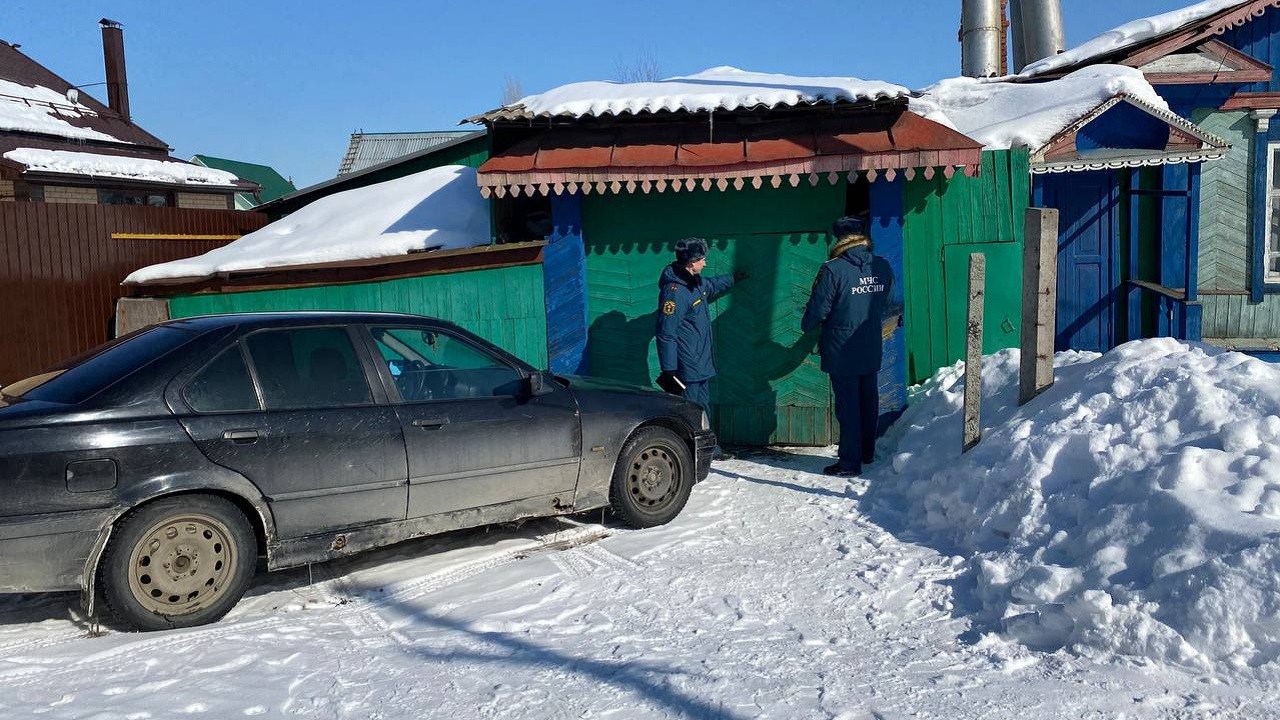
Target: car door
<point x="292" y="410"/>
<point x="474" y="436"/>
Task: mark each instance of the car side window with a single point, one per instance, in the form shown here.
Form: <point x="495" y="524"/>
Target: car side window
<point x="308" y="367"/>
<point x="223" y="385"/>
<point x="435" y="365"/>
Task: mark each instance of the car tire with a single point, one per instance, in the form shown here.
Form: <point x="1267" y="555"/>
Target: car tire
<point x="177" y="562"/>
<point x="652" y="480"/>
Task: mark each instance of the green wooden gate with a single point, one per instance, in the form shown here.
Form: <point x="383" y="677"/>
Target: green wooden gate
<point x="944" y="222"/>
<point x="769" y="388"/>
<point x="502" y="305"/>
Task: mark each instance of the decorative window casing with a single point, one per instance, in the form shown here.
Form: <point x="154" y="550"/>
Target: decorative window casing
<point x="1271" y="252"/>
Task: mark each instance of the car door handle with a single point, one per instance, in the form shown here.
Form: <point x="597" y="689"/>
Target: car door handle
<point x="431" y="423"/>
<point x="241" y="437"/>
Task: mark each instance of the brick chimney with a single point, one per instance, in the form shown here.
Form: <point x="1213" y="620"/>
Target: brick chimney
<point x="113" y="56"/>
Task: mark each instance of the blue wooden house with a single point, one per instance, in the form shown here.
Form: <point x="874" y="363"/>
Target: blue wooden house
<point x="1215" y="66"/>
<point x="1123" y="171"/>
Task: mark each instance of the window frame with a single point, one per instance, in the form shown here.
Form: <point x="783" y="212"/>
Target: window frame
<point x="1271" y="243"/>
<point x="358" y="348"/>
<point x="248" y="366"/>
<point x="389" y="383"/>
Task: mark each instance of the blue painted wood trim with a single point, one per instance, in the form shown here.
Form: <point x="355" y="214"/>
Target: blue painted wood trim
<point x="887" y="207"/>
<point x="1193" y="321"/>
<point x="1257" y="223"/>
<point x="1174" y="226"/>
<point x="564" y="265"/>
<point x="1133" y="296"/>
<point x="1193" y="235"/>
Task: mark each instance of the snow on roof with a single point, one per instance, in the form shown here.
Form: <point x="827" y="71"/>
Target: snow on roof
<point x="440" y="208"/>
<point x="118" y="166"/>
<point x="1133" y="508"/>
<point x="719" y="88"/>
<point x="37" y="109"/>
<point x="1130" y="34"/>
<point x="1002" y="114"/>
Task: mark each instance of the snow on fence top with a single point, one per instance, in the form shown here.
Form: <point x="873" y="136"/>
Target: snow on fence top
<point x="440" y="208"/>
<point x="719" y="88"/>
<point x="38" y="109"/>
<point x="1130" y="34"/>
<point x="1001" y="114"/>
<point x="116" y="166"/>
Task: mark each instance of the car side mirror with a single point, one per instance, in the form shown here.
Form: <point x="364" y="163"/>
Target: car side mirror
<point x="536" y="384"/>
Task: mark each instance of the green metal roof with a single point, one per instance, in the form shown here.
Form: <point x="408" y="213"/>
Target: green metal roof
<point x="273" y="183"/>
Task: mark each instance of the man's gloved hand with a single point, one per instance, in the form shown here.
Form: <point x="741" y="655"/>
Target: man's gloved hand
<point x="668" y="381"/>
<point x="740" y="275"/>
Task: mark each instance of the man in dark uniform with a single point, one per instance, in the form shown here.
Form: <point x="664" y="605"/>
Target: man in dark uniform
<point x="684" y="323"/>
<point x="850" y="300"/>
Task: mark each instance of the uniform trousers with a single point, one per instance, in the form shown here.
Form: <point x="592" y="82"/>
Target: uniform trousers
<point x="857" y="410"/>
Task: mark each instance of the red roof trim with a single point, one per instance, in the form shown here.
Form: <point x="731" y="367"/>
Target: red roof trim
<point x="699" y="151"/>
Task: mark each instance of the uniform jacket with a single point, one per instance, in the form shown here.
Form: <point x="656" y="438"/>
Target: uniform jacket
<point x="684" y="322"/>
<point x="850" y="299"/>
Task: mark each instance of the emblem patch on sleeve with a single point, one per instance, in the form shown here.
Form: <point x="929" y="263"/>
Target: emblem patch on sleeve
<point x="669" y="307"/>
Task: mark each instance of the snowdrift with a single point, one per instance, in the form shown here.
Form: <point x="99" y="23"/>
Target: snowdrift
<point x="1132" y="509"/>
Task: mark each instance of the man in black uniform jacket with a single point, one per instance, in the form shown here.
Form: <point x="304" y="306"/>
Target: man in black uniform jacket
<point x="849" y="301"/>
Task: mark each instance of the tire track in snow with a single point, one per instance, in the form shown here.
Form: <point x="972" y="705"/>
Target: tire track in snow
<point x="366" y="603"/>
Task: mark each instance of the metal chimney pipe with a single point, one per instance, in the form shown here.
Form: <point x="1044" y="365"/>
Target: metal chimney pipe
<point x="1015" y="35"/>
<point x="113" y="56"/>
<point x="980" y="32"/>
<point x="1040" y="30"/>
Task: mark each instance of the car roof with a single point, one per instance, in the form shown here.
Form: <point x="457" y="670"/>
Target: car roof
<point x="297" y="317"/>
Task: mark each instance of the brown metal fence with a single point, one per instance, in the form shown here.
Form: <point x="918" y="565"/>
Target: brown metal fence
<point x="61" y="268"/>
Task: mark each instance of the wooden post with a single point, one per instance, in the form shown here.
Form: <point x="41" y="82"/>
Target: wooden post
<point x="1039" y="302"/>
<point x="973" y="351"/>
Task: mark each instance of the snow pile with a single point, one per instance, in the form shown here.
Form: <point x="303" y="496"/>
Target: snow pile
<point x="1130" y="34"/>
<point x="1002" y="114"/>
<point x="1132" y="509"/>
<point x="719" y="88"/>
<point x="116" y="166"/>
<point x="440" y="208"/>
<point x="37" y="109"/>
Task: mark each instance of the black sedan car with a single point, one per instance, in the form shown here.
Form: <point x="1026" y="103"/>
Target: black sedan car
<point x="153" y="472"/>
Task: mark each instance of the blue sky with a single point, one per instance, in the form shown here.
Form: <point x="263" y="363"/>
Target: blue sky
<point x="285" y="83"/>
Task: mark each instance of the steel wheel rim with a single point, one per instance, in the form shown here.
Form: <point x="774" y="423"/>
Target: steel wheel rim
<point x="182" y="564"/>
<point x="653" y="480"/>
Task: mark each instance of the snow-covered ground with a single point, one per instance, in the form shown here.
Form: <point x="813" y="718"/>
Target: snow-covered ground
<point x="1106" y="552"/>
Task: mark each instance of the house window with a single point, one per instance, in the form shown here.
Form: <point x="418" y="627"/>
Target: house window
<point x="135" y="197"/>
<point x="1271" y="257"/>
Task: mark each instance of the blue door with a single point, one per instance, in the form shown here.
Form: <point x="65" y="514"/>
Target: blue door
<point x="1088" y="238"/>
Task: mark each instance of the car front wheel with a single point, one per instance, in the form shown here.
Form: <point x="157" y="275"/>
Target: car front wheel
<point x="177" y="562"/>
<point x="653" y="478"/>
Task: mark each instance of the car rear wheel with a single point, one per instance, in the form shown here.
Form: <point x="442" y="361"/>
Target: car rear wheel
<point x="177" y="562"/>
<point x="652" y="480"/>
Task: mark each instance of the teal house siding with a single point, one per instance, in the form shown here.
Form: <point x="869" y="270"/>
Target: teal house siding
<point x="502" y="305"/>
<point x="1225" y="205"/>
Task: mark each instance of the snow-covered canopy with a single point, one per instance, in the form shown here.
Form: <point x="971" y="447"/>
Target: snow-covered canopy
<point x="37" y="109"/>
<point x="440" y="208"/>
<point x="1002" y="114"/>
<point x="117" y="166"/>
<point x="719" y="88"/>
<point x="1130" y="34"/>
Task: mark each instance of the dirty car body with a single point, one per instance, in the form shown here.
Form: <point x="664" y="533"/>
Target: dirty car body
<point x="331" y="433"/>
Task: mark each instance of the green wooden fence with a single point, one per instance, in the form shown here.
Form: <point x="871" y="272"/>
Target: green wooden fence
<point x="503" y="305"/>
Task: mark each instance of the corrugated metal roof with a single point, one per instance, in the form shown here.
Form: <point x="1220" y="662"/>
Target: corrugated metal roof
<point x="273" y="184"/>
<point x="369" y="149"/>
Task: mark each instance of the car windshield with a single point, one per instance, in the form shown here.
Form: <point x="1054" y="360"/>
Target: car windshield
<point x="86" y="375"/>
